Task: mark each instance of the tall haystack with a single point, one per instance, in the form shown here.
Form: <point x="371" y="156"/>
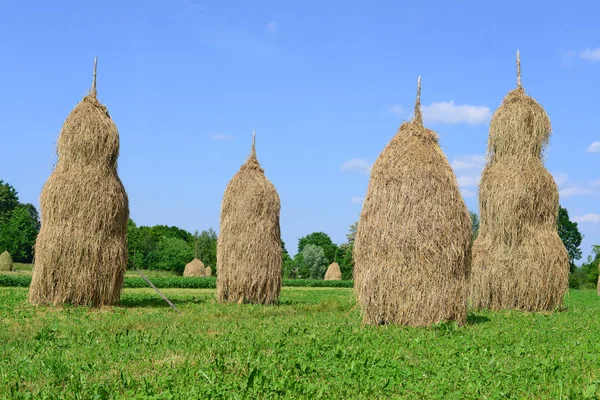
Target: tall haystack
<point x="208" y="271"/>
<point x="412" y="246"/>
<point x="6" y="262"/>
<point x="249" y="243"/>
<point x="334" y="273"/>
<point x="81" y="250"/>
<point x="519" y="261"/>
<point x="194" y="268"/>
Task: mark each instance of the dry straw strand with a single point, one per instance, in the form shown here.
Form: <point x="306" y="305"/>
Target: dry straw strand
<point x="412" y="247"/>
<point x="519" y="261"/>
<point x="194" y="268"/>
<point x="334" y="273"/>
<point x="6" y="262"/>
<point x="249" y="242"/>
<point x="81" y="249"/>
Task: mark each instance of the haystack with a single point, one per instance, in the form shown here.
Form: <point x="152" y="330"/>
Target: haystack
<point x="249" y="243"/>
<point x="208" y="271"/>
<point x="333" y="272"/>
<point x="194" y="268"/>
<point x="6" y="262"/>
<point x="412" y="247"/>
<point x="81" y="250"/>
<point x="519" y="261"/>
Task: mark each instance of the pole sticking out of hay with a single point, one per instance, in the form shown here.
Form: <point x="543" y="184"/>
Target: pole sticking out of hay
<point x="6" y="262"/>
<point x="412" y="247"/>
<point x="519" y="261"/>
<point x="156" y="290"/>
<point x="334" y="273"/>
<point x="81" y="249"/>
<point x="249" y="243"/>
<point x="194" y="268"/>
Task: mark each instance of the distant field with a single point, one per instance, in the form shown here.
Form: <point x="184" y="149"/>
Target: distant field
<point x="312" y="345"/>
<point x="25" y="269"/>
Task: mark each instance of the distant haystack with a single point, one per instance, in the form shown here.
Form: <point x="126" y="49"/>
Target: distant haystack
<point x="333" y="272"/>
<point x="412" y="247"/>
<point x="6" y="262"/>
<point x="194" y="268"/>
<point x="81" y="250"/>
<point x="249" y="243"/>
<point x="208" y="271"/>
<point x="519" y="260"/>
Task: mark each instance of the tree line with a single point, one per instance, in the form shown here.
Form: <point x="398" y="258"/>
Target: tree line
<point x="170" y="248"/>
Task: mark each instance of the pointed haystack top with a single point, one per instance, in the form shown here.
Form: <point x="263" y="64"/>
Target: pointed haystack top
<point x="252" y="161"/>
<point x="418" y="117"/>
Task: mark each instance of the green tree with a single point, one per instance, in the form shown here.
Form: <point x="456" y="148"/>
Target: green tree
<point x="345" y="260"/>
<point x="351" y="235"/>
<point x="570" y="236"/>
<point x="207" y="248"/>
<point x="315" y="261"/>
<point x="322" y="240"/>
<point x="19" y="233"/>
<point x="287" y="264"/>
<point x="8" y="201"/>
<point x="172" y="254"/>
<point x="474" y="225"/>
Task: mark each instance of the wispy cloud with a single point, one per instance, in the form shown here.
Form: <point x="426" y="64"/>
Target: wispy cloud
<point x="221" y="136"/>
<point x="468" y="169"/>
<point x="560" y="178"/>
<point x="595" y="183"/>
<point x="473" y="161"/>
<point x="574" y="191"/>
<point x="272" y="27"/>
<point x="588" y="218"/>
<point x="357" y="200"/>
<point x="446" y="112"/>
<point x="359" y="165"/>
<point x="468" y="193"/>
<point x="591" y="55"/>
<point x="396" y="109"/>
<point x="594" y="148"/>
<point x="468" y="180"/>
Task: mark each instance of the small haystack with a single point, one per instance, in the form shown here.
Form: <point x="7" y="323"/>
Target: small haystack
<point x="208" y="271"/>
<point x="334" y="273"/>
<point x="6" y="262"/>
<point x="194" y="268"/>
<point x="519" y="261"/>
<point x="249" y="243"/>
<point x="81" y="250"/>
<point x="412" y="246"/>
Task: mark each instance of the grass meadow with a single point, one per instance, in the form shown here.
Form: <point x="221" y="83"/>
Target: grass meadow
<point x="311" y="345"/>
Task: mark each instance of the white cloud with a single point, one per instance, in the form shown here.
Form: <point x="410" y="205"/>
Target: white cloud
<point x="272" y="27"/>
<point x="474" y="161"/>
<point x="574" y="191"/>
<point x="595" y="183"/>
<point x="396" y="109"/>
<point x="560" y="178"/>
<point x="221" y="136"/>
<point x="357" y="200"/>
<point x="588" y="218"/>
<point x="594" y="148"/>
<point x="591" y="55"/>
<point x="468" y="193"/>
<point x="359" y="165"/>
<point x="447" y="112"/>
<point x="468" y="180"/>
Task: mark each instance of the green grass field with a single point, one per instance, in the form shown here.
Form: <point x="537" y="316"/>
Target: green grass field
<point x="312" y="345"/>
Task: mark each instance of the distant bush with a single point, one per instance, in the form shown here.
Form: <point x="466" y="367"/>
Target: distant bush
<point x="179" y="282"/>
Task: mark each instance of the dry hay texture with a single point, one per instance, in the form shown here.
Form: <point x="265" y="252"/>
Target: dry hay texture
<point x="194" y="268"/>
<point x="81" y="250"/>
<point x="6" y="262"/>
<point x="208" y="271"/>
<point x="249" y="243"/>
<point x="333" y="272"/>
<point x="519" y="261"/>
<point x="412" y="247"/>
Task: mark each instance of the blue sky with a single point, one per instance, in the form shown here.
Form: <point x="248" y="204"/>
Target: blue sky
<point x="325" y="85"/>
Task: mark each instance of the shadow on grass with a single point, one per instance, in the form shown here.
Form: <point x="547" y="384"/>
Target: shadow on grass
<point x="474" y="319"/>
<point x="158" y="302"/>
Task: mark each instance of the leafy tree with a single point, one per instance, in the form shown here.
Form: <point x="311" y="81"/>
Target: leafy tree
<point x="207" y="248"/>
<point x="351" y="235"/>
<point x="287" y="264"/>
<point x="322" y="240"/>
<point x="8" y="201"/>
<point x="315" y="260"/>
<point x="172" y="254"/>
<point x="345" y="260"/>
<point x="570" y="236"/>
<point x="474" y="225"/>
<point x="19" y="233"/>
